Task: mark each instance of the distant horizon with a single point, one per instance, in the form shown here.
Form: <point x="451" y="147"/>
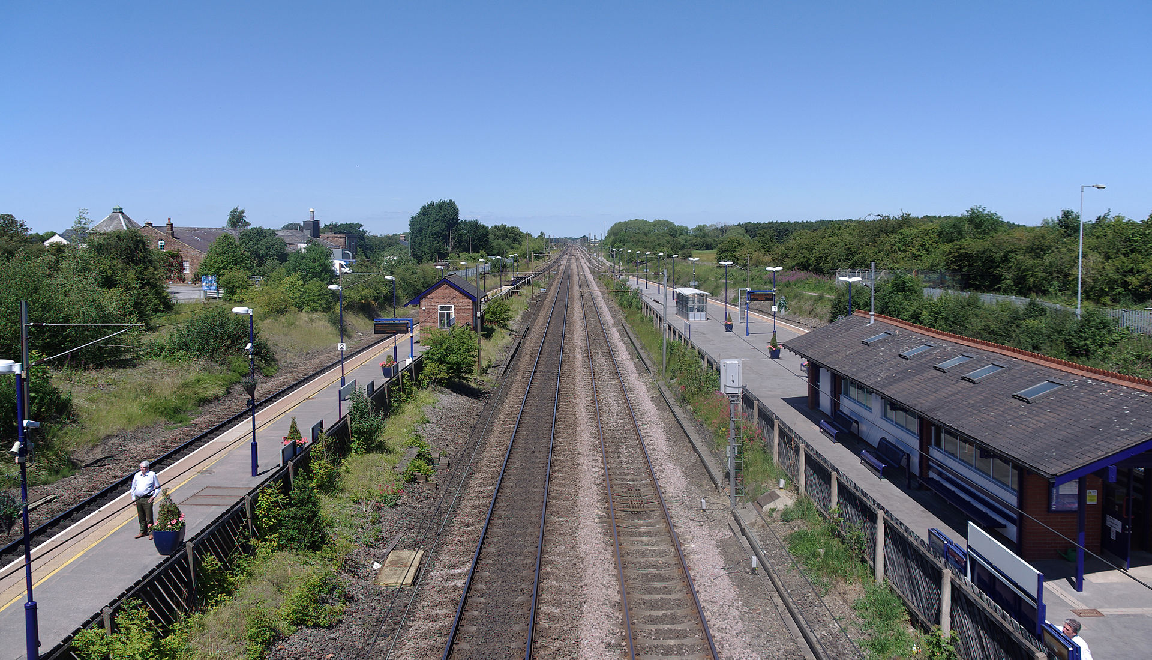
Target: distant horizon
<point x="566" y="119"/>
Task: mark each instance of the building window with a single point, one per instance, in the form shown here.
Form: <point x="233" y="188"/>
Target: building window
<point x="447" y="315"/>
<point x="948" y="364"/>
<point x="1036" y="390"/>
<point x="900" y="416"/>
<point x="915" y="351"/>
<point x="875" y="338"/>
<point x="857" y="392"/>
<point x="982" y="373"/>
<point x="982" y="460"/>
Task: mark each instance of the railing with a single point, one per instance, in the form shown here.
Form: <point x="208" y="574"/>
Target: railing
<point x="168" y="591"/>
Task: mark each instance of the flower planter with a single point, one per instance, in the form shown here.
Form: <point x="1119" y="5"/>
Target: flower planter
<point x="774" y="353"/>
<point x="167" y="543"/>
<point x="728" y="326"/>
<point x="389" y="370"/>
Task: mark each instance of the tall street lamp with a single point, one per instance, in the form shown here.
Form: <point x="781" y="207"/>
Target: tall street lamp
<point x="340" y="289"/>
<point x="659" y="268"/>
<point x="20" y="449"/>
<point x="395" y="350"/>
<point x="850" y="280"/>
<point x="646" y="255"/>
<point x="774" y="270"/>
<point x="250" y="384"/>
<point x="725" y="264"/>
<point x="1080" y="252"/>
<point x="693" y="260"/>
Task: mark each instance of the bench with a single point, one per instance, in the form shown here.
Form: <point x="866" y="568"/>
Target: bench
<point x="885" y="456"/>
<point x="839" y="427"/>
<point x="947" y="488"/>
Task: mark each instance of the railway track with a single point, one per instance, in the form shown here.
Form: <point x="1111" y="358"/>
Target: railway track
<point x="661" y="611"/>
<point x="497" y="608"/>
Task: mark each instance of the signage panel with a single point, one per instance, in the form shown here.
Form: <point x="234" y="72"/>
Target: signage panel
<point x="762" y="296"/>
<point x="391" y="326"/>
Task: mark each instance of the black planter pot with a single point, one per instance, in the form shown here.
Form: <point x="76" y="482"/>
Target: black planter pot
<point x="167" y="543"/>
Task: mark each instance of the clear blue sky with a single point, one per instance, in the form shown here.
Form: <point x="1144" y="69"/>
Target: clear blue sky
<point x="568" y="117"/>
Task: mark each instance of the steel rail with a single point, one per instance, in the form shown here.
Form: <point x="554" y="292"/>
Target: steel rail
<point x="499" y="481"/>
<point x="659" y="492"/>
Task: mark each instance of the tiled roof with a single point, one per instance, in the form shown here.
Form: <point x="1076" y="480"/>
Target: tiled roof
<point x="202" y="238"/>
<point x="117" y="220"/>
<point x="1092" y="416"/>
<point x="456" y="282"/>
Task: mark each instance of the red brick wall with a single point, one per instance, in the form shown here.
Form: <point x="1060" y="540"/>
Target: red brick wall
<point x="445" y="295"/>
<point x="187" y="252"/>
<point x="1036" y="542"/>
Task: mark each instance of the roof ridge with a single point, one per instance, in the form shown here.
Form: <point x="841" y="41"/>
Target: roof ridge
<point x="1143" y="384"/>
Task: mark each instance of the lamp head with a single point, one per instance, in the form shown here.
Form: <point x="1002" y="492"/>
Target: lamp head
<point x="9" y="367"/>
<point x="389" y="278"/>
<point x="1098" y="186"/>
<point x="242" y="310"/>
<point x="334" y="287"/>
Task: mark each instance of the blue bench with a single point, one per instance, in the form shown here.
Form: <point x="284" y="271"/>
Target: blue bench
<point x="839" y="427"/>
<point x="885" y="456"/>
<point x="966" y="499"/>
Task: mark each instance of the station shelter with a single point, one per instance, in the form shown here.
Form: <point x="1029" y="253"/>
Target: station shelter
<point x="1041" y="453"/>
<point x="691" y="304"/>
<point x="452" y="299"/>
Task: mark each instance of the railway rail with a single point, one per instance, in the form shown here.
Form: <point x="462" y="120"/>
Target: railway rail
<point x="496" y="612"/>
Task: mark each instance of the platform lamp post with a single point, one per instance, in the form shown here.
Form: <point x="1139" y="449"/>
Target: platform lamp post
<point x="1080" y="252"/>
<point x="340" y="289"/>
<point x="646" y="255"/>
<point x="395" y="350"/>
<point x="20" y="449"/>
<point x="850" y="280"/>
<point x="725" y="264"/>
<point x="659" y="268"/>
<point x="693" y="283"/>
<point x="250" y="383"/>
<point x="774" y="270"/>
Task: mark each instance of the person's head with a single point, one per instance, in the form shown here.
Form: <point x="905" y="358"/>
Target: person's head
<point x="143" y="467"/>
<point x="1071" y="627"/>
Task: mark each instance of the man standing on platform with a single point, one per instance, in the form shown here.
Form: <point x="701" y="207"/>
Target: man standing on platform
<point x="1072" y="630"/>
<point x="145" y="485"/>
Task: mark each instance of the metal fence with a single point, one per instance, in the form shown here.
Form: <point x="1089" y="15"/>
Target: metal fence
<point x="168" y="591"/>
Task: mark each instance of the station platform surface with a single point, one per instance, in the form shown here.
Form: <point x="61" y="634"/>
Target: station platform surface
<point x="82" y="569"/>
<point x="1115" y="610"/>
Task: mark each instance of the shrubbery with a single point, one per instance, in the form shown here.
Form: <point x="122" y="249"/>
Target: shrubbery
<point x="213" y="334"/>
<point x="449" y="355"/>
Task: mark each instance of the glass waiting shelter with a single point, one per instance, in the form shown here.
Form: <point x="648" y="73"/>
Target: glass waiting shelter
<point x="692" y="304"/>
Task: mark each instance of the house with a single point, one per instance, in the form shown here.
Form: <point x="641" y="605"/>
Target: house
<point x="192" y="243"/>
<point x="117" y="220"/>
<point x="56" y="239"/>
<point x="1035" y="450"/>
<point x="446" y="301"/>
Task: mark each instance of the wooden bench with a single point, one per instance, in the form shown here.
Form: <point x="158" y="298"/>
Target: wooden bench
<point x="885" y="456"/>
<point x="839" y="427"/>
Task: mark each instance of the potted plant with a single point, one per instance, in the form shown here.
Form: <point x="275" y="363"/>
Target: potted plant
<point x="168" y="531"/>
<point x="727" y="322"/>
<point x="388" y="366"/>
<point x="773" y="347"/>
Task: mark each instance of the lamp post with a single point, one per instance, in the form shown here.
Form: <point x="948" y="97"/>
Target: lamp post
<point x="774" y="270"/>
<point x="659" y="268"/>
<point x="250" y="384"/>
<point x="340" y="289"/>
<point x="1080" y="252"/>
<point x="725" y="264"/>
<point x="693" y="283"/>
<point x="850" y="280"/>
<point x="646" y="255"/>
<point x="395" y="350"/>
<point x="674" y="270"/>
<point x="20" y="449"/>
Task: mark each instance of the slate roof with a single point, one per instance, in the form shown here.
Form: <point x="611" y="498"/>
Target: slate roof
<point x="1094" y="415"/>
<point x="200" y="238"/>
<point x="456" y="282"/>
<point x="117" y="220"/>
<point x="294" y="237"/>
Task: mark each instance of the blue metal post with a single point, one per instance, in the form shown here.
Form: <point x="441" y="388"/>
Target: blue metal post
<point x="252" y="399"/>
<point x="31" y="619"/>
<point x="774" y="302"/>
<point x="1081" y="523"/>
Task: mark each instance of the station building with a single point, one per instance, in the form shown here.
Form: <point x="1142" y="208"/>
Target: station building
<point x="1024" y="444"/>
<point x="446" y="302"/>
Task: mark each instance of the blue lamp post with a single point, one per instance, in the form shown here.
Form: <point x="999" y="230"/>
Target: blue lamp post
<point x="250" y="384"/>
<point x="20" y="449"/>
<point x="725" y="264"/>
<point x="774" y="270"/>
<point x="850" y="280"/>
<point x="340" y="392"/>
<point x="395" y="351"/>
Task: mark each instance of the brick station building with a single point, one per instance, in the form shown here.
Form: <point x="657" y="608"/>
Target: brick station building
<point x="451" y="300"/>
<point x="1018" y="441"/>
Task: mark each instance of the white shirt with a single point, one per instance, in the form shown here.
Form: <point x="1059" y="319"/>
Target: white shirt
<point x="1085" y="654"/>
<point x="144" y="485"/>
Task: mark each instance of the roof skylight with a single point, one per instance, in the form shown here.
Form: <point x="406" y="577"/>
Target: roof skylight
<point x="915" y="351"/>
<point x="1037" y="390"/>
<point x="948" y="364"/>
<point x="875" y="338"/>
<point x="982" y="373"/>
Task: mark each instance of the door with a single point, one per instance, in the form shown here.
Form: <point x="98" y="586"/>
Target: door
<point x="1117" y="533"/>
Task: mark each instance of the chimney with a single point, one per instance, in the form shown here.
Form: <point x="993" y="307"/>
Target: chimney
<point x="168" y="228"/>
<point x="147" y="223"/>
<point x="311" y="228"/>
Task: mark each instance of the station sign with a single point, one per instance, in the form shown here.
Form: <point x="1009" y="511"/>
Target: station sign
<point x="762" y="296"/>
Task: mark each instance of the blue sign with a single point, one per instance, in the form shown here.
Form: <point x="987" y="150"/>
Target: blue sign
<point x="208" y="283"/>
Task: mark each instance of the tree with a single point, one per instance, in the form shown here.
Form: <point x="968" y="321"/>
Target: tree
<point x="293" y="226"/>
<point x="505" y="239"/>
<point x="430" y="229"/>
<point x="13" y="234"/>
<point x="312" y="264"/>
<point x="125" y="261"/>
<point x="81" y="226"/>
<point x="449" y="354"/>
<point x="236" y="219"/>
<point x="263" y="247"/>
<point x="224" y="255"/>
<point x="472" y="236"/>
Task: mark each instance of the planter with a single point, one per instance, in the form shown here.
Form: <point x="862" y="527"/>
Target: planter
<point x="167" y="543"/>
<point x="774" y="353"/>
<point x="728" y="326"/>
<point x="388" y="370"/>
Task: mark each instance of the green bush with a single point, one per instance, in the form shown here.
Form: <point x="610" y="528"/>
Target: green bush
<point x="136" y="637"/>
<point x="302" y="524"/>
<point x="417" y="467"/>
<point x="317" y="602"/>
<point x="449" y="355"/>
<point x="216" y="334"/>
<point x="498" y="313"/>
<point x="268" y="513"/>
<point x="365" y="425"/>
<point x="259" y="630"/>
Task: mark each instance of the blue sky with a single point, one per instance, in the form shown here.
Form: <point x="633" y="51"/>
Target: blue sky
<point x="568" y="117"/>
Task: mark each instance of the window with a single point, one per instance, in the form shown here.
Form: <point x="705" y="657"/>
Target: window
<point x="1003" y="472"/>
<point x="951" y="444"/>
<point x="875" y="338"/>
<point x="447" y="316"/>
<point x="983" y="460"/>
<point x="967" y="452"/>
<point x="857" y="392"/>
<point x="900" y="416"/>
<point x="915" y="351"/>
<point x="1036" y="390"/>
<point x="982" y="372"/>
<point x="948" y="364"/>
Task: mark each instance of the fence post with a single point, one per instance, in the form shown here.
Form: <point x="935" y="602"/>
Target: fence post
<point x="775" y="441"/>
<point x="800" y="456"/>
<point x="291" y="473"/>
<point x="190" y="549"/>
<point x="834" y="496"/>
<point x="879" y="560"/>
<point x="756" y="411"/>
<point x="248" y="512"/>
<point x="106" y="612"/>
<point x="945" y="601"/>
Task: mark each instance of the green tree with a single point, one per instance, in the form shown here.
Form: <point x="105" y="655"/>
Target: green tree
<point x="472" y="236"/>
<point x="430" y="229"/>
<point x="263" y="247"/>
<point x="224" y="255"/>
<point x="14" y="235"/>
<point x="236" y="219"/>
<point x="312" y="264"/>
<point x="81" y="226"/>
<point x="449" y="355"/>
<point x="505" y="239"/>
<point x="124" y="261"/>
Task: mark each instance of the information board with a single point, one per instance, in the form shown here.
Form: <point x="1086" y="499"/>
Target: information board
<point x="762" y="296"/>
<point x="391" y="326"/>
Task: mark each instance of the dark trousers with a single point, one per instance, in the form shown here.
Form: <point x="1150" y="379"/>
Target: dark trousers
<point x="144" y="512"/>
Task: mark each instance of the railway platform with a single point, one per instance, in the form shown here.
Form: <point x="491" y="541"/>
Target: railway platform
<point x="1115" y="610"/>
<point x="80" y="570"/>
